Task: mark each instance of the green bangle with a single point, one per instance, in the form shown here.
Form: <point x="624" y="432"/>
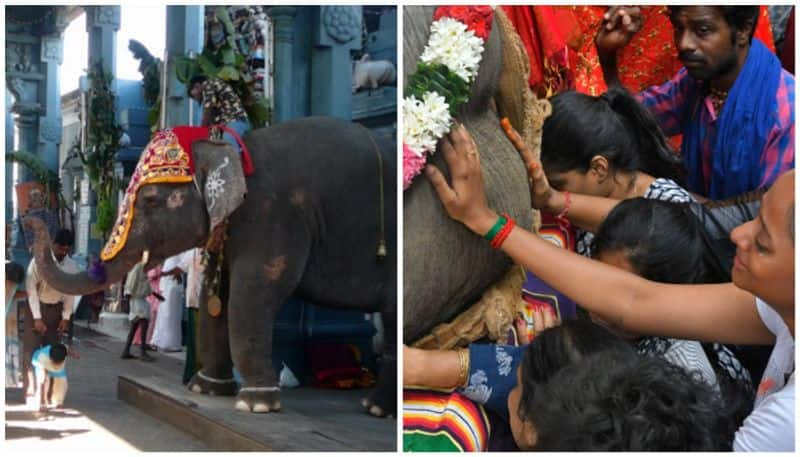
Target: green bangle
<point x="501" y="221"/>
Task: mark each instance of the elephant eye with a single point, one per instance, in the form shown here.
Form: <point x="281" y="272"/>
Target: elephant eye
<point x="150" y="201"/>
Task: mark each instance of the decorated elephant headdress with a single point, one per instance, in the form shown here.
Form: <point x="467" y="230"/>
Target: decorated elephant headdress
<point x="176" y="156"/>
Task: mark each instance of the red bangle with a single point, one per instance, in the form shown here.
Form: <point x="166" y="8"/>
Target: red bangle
<point x="501" y="236"/>
<point x="562" y="216"/>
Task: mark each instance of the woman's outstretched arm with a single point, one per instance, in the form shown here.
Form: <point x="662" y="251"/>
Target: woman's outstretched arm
<point x="716" y="312"/>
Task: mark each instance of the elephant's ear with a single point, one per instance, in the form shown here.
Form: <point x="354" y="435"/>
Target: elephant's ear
<point x="219" y="175"/>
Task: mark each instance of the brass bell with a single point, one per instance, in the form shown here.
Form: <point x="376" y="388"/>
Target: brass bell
<point x="214" y="306"/>
<point x="382" y="249"/>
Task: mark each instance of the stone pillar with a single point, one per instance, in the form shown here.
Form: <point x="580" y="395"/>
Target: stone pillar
<point x="27" y="107"/>
<point x="283" y="20"/>
<point x="50" y="122"/>
<point x="102" y="24"/>
<point x="9" y="185"/>
<point x="337" y="32"/>
<point x="185" y="25"/>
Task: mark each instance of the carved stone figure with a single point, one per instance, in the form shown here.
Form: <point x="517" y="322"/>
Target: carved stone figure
<point x="372" y="73"/>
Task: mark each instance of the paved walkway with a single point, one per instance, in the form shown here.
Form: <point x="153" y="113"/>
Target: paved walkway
<point x="93" y="418"/>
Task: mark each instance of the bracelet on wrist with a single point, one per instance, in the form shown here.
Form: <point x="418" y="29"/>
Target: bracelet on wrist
<point x="562" y="216"/>
<point x="463" y="368"/>
<point x="501" y="221"/>
<point x="503" y="233"/>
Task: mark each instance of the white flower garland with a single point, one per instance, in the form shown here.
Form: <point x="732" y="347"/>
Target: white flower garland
<point x="452" y="45"/>
<point x="425" y="121"/>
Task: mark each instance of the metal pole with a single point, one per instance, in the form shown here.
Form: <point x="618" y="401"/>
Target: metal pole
<point x="163" y="122"/>
<point x="83" y="122"/>
<point x="192" y="55"/>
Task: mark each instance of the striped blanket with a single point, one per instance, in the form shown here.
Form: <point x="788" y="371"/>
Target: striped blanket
<point x="443" y="421"/>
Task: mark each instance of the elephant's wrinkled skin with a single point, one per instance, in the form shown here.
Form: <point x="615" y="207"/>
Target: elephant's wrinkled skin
<point x="309" y="226"/>
<point x="445" y="266"/>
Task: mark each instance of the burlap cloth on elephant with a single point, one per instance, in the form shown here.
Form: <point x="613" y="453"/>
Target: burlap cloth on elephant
<point x="494" y="313"/>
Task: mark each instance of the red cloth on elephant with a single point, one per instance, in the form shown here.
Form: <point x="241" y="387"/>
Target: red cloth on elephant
<point x="247" y="163"/>
<point x="188" y="135"/>
<point x="551" y="32"/>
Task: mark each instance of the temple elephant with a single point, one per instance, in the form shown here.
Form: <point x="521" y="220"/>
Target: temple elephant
<point x="310" y="221"/>
<point x="445" y="266"/>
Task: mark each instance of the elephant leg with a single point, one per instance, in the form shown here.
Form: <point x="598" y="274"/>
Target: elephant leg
<point x="382" y="401"/>
<point x="215" y="376"/>
<point x="257" y="292"/>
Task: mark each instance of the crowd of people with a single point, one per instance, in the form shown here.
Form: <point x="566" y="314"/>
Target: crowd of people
<point x="684" y="262"/>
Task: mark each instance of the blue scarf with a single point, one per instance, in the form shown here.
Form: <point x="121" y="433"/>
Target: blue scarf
<point x="747" y="118"/>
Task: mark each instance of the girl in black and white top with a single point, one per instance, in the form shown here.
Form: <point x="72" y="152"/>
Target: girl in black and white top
<point x="597" y="151"/>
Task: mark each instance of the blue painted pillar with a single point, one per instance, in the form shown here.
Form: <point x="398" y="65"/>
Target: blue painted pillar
<point x="185" y="25"/>
<point x="337" y="33"/>
<point x="282" y="20"/>
<point x="9" y="185"/>
<point x="52" y="56"/>
<point x="102" y="24"/>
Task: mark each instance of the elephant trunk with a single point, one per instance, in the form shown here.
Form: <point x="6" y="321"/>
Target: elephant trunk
<point x="71" y="283"/>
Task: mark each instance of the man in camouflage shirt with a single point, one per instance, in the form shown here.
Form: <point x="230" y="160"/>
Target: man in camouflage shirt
<point x="221" y="105"/>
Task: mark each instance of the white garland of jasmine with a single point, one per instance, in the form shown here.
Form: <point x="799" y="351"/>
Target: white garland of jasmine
<point x="425" y="121"/>
<point x="454" y="46"/>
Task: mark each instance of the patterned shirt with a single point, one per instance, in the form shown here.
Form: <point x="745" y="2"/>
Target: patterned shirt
<point x="670" y="102"/>
<point x="222" y="102"/>
<point x="492" y="375"/>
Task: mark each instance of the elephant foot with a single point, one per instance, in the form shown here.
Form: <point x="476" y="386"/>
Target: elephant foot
<point x="382" y="401"/>
<point x="259" y="399"/>
<point x="372" y="408"/>
<point x="204" y="384"/>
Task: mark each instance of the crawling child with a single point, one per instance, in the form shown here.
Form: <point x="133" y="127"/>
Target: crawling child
<point x="49" y="363"/>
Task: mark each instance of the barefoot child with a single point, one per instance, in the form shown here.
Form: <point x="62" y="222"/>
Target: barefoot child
<point x="49" y="364"/>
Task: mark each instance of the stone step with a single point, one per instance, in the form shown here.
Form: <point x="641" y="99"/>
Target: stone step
<point x="311" y="419"/>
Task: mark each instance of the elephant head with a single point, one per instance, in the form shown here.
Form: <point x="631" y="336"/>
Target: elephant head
<point x="167" y="209"/>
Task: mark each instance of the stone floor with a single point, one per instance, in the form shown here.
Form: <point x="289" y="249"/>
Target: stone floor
<point x="159" y="414"/>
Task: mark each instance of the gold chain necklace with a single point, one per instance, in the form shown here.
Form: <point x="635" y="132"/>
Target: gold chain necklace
<point x="718" y="99"/>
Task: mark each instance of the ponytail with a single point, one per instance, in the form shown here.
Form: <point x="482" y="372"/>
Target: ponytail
<point x="655" y="156"/>
<point x="613" y="125"/>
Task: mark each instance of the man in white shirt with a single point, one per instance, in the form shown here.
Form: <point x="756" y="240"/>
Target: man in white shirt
<point x="49" y="311"/>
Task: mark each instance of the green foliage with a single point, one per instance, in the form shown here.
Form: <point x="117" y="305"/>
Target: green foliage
<point x="150" y="67"/>
<point x="228" y="64"/>
<point x="103" y="134"/>
<point x="154" y="116"/>
<point x="43" y="175"/>
<point x="106" y="212"/>
<point x="438" y="78"/>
